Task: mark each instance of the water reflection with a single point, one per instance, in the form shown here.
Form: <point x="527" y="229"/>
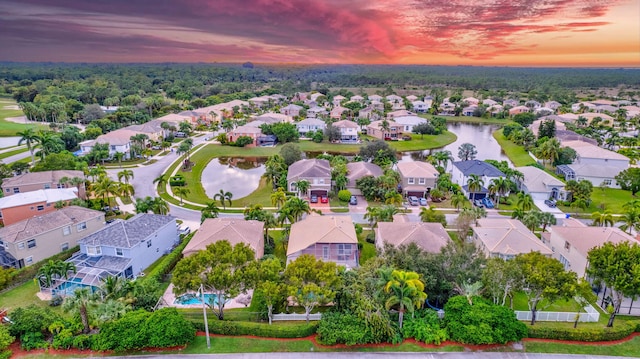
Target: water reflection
<point x="481" y="135"/>
<point x="240" y="176"/>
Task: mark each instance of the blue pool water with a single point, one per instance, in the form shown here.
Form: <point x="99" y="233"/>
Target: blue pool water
<point x="68" y="288"/>
<point x="189" y="299"/>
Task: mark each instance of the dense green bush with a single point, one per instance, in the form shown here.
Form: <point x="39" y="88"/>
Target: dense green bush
<point x="621" y="330"/>
<point x="227" y="327"/>
<point x="140" y="329"/>
<point x="168" y="262"/>
<point x="243" y="141"/>
<point x="32" y="319"/>
<point x="342" y="328"/>
<point x="371" y="238"/>
<point x="177" y="180"/>
<point x="425" y="327"/>
<point x="28" y="273"/>
<point x="481" y="322"/>
<point x="5" y="340"/>
<point x="344" y="195"/>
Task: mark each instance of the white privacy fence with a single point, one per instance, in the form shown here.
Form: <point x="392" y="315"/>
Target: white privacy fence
<point x="590" y="315"/>
<point x="293" y="316"/>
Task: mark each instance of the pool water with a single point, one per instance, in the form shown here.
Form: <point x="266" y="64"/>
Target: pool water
<point x="190" y="299"/>
<point x="69" y="288"/>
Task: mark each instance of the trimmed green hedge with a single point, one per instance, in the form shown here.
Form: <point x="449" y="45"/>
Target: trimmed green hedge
<point x="274" y="330"/>
<point x="165" y="267"/>
<point x="620" y="330"/>
<point x="26" y="274"/>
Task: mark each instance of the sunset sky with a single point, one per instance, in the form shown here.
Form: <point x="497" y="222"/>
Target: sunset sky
<point x="598" y="33"/>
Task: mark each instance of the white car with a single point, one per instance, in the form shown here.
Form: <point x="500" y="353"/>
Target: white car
<point x="185" y="230"/>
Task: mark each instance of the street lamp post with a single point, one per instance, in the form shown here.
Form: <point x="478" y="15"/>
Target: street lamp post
<point x="204" y="313"/>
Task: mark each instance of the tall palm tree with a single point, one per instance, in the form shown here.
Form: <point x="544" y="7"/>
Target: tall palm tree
<point x="159" y="206"/>
<point x="458" y="199"/>
<point x="118" y="156"/>
<point x="442" y="158"/>
<point x="296" y="207"/>
<point x="223" y="196"/>
<point x="303" y="187"/>
<point x="270" y="221"/>
<point x="602" y="219"/>
<point x="407" y="293"/>
<point x="393" y="198"/>
<point x="96" y="172"/>
<point x="181" y="192"/>
<point x="372" y="215"/>
<point x="547" y="219"/>
<point x="275" y="168"/>
<point x="500" y="186"/>
<point x="474" y="184"/>
<point x="105" y="187"/>
<point x="81" y="301"/>
<point x="160" y="181"/>
<point x="630" y="220"/>
<point x="30" y="139"/>
<point x="524" y="201"/>
<point x="126" y="175"/>
<point x="126" y="189"/>
<point x="210" y="211"/>
<point x="278" y="197"/>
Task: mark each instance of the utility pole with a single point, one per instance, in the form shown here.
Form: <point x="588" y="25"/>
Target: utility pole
<point x="204" y="313"/>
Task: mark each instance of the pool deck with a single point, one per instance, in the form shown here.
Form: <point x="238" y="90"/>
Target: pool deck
<point x="169" y="299"/>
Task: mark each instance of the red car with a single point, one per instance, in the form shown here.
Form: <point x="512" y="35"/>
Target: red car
<point x="324" y="199"/>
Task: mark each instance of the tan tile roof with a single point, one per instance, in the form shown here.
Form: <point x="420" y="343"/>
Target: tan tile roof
<point x="584" y="238"/>
<point x="430" y="237"/>
<point x="309" y="168"/>
<point x="588" y="150"/>
<point x="40" y="177"/>
<point x="321" y="229"/>
<point x="508" y="237"/>
<point x="345" y="124"/>
<point x="417" y="169"/>
<point x="34" y="226"/>
<point x="357" y="170"/>
<point x="234" y="230"/>
<point x="115" y="138"/>
<point x="536" y="179"/>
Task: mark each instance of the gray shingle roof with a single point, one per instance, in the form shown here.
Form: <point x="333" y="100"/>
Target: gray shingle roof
<point x="477" y="167"/>
<point x="127" y="234"/>
<point x="309" y="168"/>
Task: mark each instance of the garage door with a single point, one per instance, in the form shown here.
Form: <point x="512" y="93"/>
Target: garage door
<point x="415" y="193"/>
<point x="319" y="192"/>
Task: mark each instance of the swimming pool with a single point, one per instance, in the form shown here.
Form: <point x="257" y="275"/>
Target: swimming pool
<point x="69" y="288"/>
<point x="190" y="299"/>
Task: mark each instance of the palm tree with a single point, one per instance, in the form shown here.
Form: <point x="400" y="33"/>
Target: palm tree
<point x="372" y="214"/>
<point x="119" y="156"/>
<point x="474" y="184"/>
<point x="96" y="172"/>
<point x="161" y="180"/>
<point x="518" y="213"/>
<point x="126" y="174"/>
<point x="547" y="219"/>
<point x="393" y="198"/>
<point x="458" y="199"/>
<point x="295" y="207"/>
<point x="159" y="206"/>
<point x="630" y="220"/>
<point x="532" y="220"/>
<point x="407" y="292"/>
<point x="30" y="139"/>
<point x="270" y="221"/>
<point x="182" y="191"/>
<point x="278" y="197"/>
<point x="210" y="211"/>
<point x="303" y="187"/>
<point x="524" y="201"/>
<point x="81" y="300"/>
<point x="105" y="187"/>
<point x="442" y="158"/>
<point x="112" y="287"/>
<point x="48" y="271"/>
<point x="500" y="186"/>
<point x="602" y="219"/>
<point x="275" y="167"/>
<point x="126" y="189"/>
<point x="223" y="197"/>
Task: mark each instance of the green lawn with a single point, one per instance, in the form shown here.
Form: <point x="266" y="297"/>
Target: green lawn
<point x="516" y="154"/>
<point x="520" y="303"/>
<point x="262" y="195"/>
<point x="627" y="349"/>
<point x="8" y="128"/>
<point x="471" y="119"/>
<point x="22" y="296"/>
<point x="13" y="153"/>
<point x="608" y="199"/>
<point x="368" y="250"/>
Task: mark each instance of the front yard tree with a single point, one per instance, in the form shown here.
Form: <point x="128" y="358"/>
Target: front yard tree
<point x="501" y="280"/>
<point x="221" y="269"/>
<point x="618" y="267"/>
<point x="544" y="278"/>
<point x="311" y="282"/>
<point x="629" y="180"/>
<point x="210" y="211"/>
<point x="290" y="153"/>
<point x="223" y="197"/>
<point x="467" y="151"/>
<point x="378" y="152"/>
<point x="407" y="292"/>
<point x="424" y="129"/>
<point x="271" y="286"/>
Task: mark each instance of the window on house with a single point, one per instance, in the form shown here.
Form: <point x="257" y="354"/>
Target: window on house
<point x="66" y="230"/>
<point x="119" y="252"/>
<point x="47" y="186"/>
<point x="94" y="250"/>
<point x="567" y="246"/>
<point x="325" y="252"/>
<point x="60" y="185"/>
<point x="421" y="181"/>
<point x="64" y="246"/>
<point x="113" y="148"/>
<point x="344" y="252"/>
<point x="411" y="180"/>
<point x="16" y="190"/>
<point x="28" y="260"/>
<point x="321" y="181"/>
<point x="7" y="190"/>
<point x="148" y="243"/>
<point x="607" y="182"/>
<point x="40" y="208"/>
<point x="21" y="245"/>
<point x="31" y="243"/>
<point x="81" y="226"/>
<point x="565" y="262"/>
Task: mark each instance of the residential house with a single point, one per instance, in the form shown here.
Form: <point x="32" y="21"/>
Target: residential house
<point x="261" y="101"/>
<point x="399" y="113"/>
<point x="291" y="110"/>
<point x="429" y="101"/>
<point x="348" y="131"/>
<point x="368" y="112"/>
<point x="590" y="116"/>
<point x="582" y="106"/>
<point x="33" y="181"/>
<point x="375" y="98"/>
<point x="594" y="164"/>
<point x="495" y="110"/>
<point x="411" y="98"/>
<point x="602" y="102"/>
<point x="540" y="184"/>
<point x="336" y="112"/>
<point x="109" y="109"/>
<point x="506" y="238"/>
<point x="125" y="248"/>
<point x="271" y="118"/>
<point x="118" y="141"/>
<point x="572" y="241"/>
<point x="314" y="96"/>
<point x="357" y="170"/>
<point x="471" y="101"/>
<point x="234" y="230"/>
<point x="533" y="104"/>
<point x="38" y="238"/>
<point x="544" y="111"/>
<point x="462" y="171"/>
<point x="392" y="133"/>
<point x="395" y="101"/>
<point x="316" y="172"/>
<point x="408" y="122"/>
<point x="246" y="130"/>
<point x="357" y="98"/>
<point x="337" y="100"/>
<point x="24" y="205"/>
<point x="469" y="110"/>
<point x="329" y="238"/>
<point x="510" y="103"/>
<point x="489" y="102"/>
<point x="310" y="124"/>
<point x="317" y="111"/>
<point x="554" y="105"/>
<point x="606" y="108"/>
<point x="420" y="106"/>
<point x="447" y="108"/>
<point x="153" y="130"/>
<point x="430" y="237"/>
<point x="195" y="117"/>
<point x="518" y="110"/>
<point x="417" y="178"/>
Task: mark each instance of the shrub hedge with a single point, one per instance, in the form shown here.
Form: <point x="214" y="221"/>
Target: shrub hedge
<point x="28" y="273"/>
<point x="343" y="328"/>
<point x="165" y="267"/>
<point x="620" y="330"/>
<point x="274" y="330"/>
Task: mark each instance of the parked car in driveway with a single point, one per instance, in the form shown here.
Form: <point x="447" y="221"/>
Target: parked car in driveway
<point x="478" y="203"/>
<point x="324" y="199"/>
<point x="353" y="200"/>
<point x="413" y="200"/>
<point x="314" y="198"/>
<point x="550" y="202"/>
<point x="185" y="230"/>
<point x="423" y="201"/>
<point x="487" y="202"/>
